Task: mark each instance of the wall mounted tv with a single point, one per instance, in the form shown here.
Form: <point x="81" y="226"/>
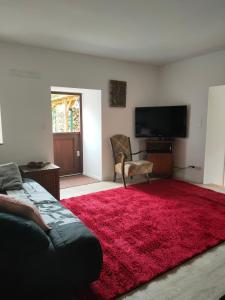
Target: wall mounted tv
<point x="161" y="121"/>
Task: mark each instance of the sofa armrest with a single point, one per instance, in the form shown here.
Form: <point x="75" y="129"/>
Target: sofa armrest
<point x="21" y="236"/>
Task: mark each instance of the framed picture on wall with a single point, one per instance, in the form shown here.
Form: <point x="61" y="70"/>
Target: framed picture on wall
<point x="118" y="91"/>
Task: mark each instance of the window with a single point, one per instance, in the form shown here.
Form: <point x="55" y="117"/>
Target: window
<point x="65" y="113"/>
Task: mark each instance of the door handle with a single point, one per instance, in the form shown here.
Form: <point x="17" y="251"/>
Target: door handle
<point x="78" y="153"/>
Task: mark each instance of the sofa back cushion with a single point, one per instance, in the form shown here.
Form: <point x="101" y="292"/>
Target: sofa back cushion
<point x="10" y="177"/>
<point x="20" y="208"/>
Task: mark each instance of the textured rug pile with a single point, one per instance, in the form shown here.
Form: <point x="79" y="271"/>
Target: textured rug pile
<point x="148" y="229"/>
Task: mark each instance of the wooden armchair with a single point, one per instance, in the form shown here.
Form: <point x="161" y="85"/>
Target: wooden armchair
<point x="123" y="160"/>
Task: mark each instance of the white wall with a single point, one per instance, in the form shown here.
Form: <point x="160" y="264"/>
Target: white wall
<point x="26" y="75"/>
<point x="215" y="137"/>
<point x="92" y="129"/>
<point x="188" y="82"/>
<point x="1" y="138"/>
<point x="92" y="134"/>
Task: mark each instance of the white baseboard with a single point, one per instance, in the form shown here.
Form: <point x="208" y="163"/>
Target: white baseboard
<point x="93" y="176"/>
<point x="107" y="178"/>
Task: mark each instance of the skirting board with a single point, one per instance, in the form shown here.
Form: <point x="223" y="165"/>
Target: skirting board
<point x="93" y="176"/>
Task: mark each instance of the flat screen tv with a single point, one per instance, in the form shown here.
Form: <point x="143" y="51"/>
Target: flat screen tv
<point x="161" y="121"/>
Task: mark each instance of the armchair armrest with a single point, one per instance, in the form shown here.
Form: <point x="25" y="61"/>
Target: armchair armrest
<point x="141" y="151"/>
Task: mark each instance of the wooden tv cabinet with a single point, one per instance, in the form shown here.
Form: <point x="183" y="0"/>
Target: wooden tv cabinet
<point x="160" y="152"/>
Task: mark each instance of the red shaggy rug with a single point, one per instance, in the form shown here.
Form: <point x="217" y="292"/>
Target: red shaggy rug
<point x="148" y="229"/>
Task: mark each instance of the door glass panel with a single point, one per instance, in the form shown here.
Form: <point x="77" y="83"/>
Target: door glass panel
<point x="65" y="113"/>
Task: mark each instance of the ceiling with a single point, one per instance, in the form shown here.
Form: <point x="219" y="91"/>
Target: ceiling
<point x="149" y="31"/>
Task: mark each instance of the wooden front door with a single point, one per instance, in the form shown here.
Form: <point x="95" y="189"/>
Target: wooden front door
<point x="67" y="133"/>
<point x="67" y="152"/>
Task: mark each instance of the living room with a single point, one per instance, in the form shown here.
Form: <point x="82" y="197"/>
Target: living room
<point x="168" y="53"/>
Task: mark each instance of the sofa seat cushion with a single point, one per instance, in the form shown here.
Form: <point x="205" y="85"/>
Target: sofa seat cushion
<point x="133" y="167"/>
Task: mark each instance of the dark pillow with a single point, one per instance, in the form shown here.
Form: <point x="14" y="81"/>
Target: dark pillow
<point x="10" y="177"/>
<point x="21" y="235"/>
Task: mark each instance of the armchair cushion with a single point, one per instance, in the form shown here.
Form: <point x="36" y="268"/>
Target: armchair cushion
<point x="132" y="168"/>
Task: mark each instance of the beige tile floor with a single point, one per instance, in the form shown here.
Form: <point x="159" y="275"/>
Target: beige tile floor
<point x="202" y="278"/>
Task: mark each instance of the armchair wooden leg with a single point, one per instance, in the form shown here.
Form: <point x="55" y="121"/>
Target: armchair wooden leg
<point x="148" y="177"/>
<point x="114" y="177"/>
<point x="124" y="181"/>
<point x="122" y="169"/>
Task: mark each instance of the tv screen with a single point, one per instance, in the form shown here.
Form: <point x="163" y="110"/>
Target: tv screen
<point x="161" y="121"/>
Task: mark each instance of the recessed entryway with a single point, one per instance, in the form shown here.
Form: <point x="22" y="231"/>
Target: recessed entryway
<point x="67" y="132"/>
<point x="77" y="133"/>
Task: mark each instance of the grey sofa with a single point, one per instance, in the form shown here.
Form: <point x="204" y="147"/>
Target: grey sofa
<point x="35" y="262"/>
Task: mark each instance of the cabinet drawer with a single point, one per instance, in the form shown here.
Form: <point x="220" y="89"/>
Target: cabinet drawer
<point x="162" y="163"/>
<point x="159" y="147"/>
